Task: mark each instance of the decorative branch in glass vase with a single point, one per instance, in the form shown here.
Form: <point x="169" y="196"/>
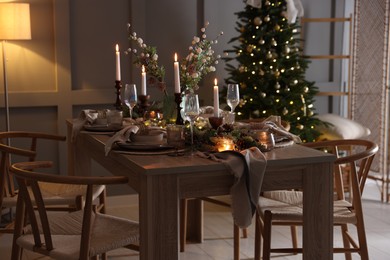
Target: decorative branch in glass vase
<point x="200" y="61"/>
<point x="147" y="56"/>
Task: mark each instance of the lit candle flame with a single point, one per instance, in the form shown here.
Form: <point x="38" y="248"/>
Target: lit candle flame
<point x="215" y="81"/>
<point x="143" y="69"/>
<point x="175" y="56"/>
<point x="117" y="47"/>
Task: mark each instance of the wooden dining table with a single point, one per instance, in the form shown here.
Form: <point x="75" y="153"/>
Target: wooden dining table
<point x="161" y="181"/>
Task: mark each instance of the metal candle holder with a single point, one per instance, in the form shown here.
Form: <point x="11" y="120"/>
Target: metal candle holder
<point x="178" y="99"/>
<point x="143" y="104"/>
<point x="118" y="102"/>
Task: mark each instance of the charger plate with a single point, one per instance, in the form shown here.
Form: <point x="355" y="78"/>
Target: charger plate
<point x="151" y="149"/>
<point x="143" y="146"/>
<point x="102" y="128"/>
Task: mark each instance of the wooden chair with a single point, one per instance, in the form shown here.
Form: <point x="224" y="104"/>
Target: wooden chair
<point x="57" y="197"/>
<point x="285" y="207"/>
<point x="82" y="234"/>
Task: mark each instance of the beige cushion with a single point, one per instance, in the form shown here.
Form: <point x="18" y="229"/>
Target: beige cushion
<point x="341" y="128"/>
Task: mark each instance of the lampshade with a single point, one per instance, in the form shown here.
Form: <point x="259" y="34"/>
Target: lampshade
<point x="15" y="21"/>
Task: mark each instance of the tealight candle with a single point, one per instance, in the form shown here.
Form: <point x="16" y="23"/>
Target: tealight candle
<point x="225" y="145"/>
<point x="143" y="81"/>
<point x="117" y="63"/>
<point x="177" y="75"/>
<point x="216" y="99"/>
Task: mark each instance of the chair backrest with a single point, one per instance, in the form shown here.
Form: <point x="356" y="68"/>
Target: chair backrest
<point x="354" y="157"/>
<point x="26" y="175"/>
<point x="28" y="153"/>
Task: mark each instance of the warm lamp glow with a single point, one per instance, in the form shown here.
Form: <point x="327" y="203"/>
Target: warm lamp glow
<point x="15" y="21"/>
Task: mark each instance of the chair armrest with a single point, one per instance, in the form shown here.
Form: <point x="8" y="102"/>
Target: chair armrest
<point x="25" y="170"/>
<point x="17" y="151"/>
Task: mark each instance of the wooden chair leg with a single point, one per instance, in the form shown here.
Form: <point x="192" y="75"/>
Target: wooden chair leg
<point x="183" y="224"/>
<point x="294" y="237"/>
<point x="245" y="233"/>
<point x="267" y="235"/>
<point x="362" y="242"/>
<point x="18" y="229"/>
<point x="346" y="243"/>
<point x="102" y="202"/>
<point x="236" y="241"/>
<point x="257" y="237"/>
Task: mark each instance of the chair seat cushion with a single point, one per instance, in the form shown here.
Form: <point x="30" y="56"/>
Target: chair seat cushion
<point x="288" y="206"/>
<point x="108" y="233"/>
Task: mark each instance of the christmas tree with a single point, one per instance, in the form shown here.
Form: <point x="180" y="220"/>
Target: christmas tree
<point x="268" y="64"/>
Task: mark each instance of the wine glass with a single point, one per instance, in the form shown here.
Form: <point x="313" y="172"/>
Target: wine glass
<point x="232" y="96"/>
<point x="130" y="97"/>
<point x="191" y="112"/>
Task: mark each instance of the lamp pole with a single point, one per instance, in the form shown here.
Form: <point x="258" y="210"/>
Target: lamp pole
<point x="7" y="125"/>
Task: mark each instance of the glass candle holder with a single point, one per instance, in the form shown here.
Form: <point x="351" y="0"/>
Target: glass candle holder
<point x="175" y="136"/>
<point x="266" y="140"/>
<point x="225" y="145"/>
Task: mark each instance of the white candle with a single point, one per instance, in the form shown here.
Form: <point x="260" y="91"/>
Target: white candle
<point x="117" y="63"/>
<point x="177" y="75"/>
<point x="216" y="99"/>
<point x="143" y="81"/>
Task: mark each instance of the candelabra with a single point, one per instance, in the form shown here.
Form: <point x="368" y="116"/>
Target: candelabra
<point x="118" y="102"/>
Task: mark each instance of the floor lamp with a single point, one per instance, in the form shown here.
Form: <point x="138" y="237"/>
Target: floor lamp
<point x="14" y="25"/>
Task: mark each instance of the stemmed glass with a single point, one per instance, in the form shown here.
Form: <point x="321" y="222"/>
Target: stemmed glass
<point x="233" y="96"/>
<point x="191" y="112"/>
<point x="129" y="97"/>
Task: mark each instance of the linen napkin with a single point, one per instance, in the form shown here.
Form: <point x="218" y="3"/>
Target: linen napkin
<point x="122" y="136"/>
<point x="248" y="168"/>
<point x="86" y="116"/>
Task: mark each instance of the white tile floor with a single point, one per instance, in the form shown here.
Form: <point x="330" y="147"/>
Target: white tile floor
<point x="218" y="232"/>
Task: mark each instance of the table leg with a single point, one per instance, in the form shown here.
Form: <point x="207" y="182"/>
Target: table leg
<point x="318" y="212"/>
<point x="159" y="217"/>
<point x="195" y="220"/>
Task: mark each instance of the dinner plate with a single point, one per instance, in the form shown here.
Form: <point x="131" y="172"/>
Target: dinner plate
<point x="143" y="146"/>
<point x="102" y="128"/>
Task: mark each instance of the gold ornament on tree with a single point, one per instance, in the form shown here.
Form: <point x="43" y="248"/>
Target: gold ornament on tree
<point x="261" y="41"/>
<point x="273" y="42"/>
<point x="285" y="111"/>
<point x="257" y="21"/>
<point x="277" y="27"/>
<point x="277" y="85"/>
<point x="269" y="55"/>
<point x="267" y="18"/>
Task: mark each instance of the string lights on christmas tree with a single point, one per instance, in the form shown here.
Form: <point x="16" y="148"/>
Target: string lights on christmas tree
<point x="267" y="62"/>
